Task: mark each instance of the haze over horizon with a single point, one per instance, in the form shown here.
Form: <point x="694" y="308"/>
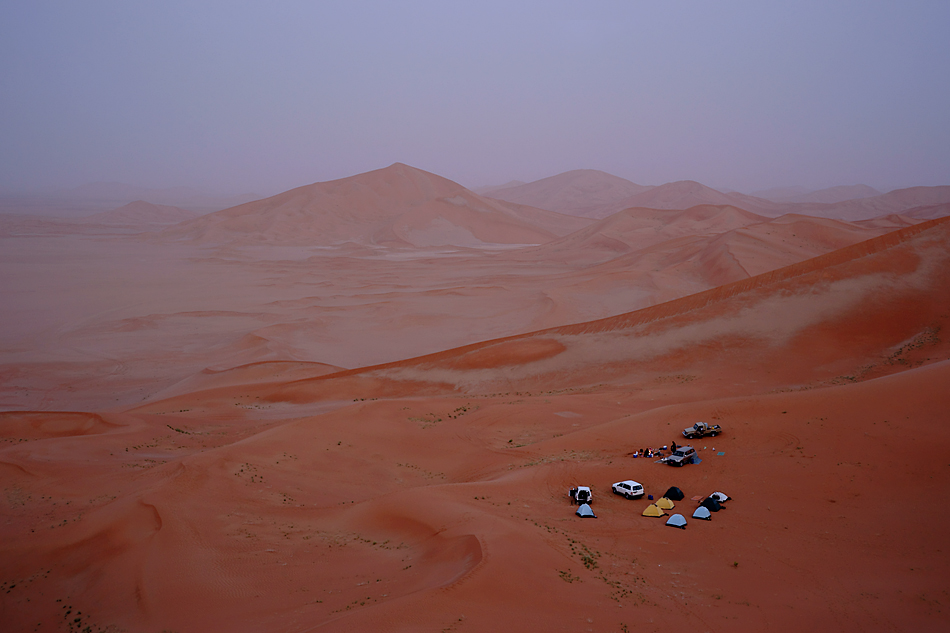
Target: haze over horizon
<point x="234" y="99"/>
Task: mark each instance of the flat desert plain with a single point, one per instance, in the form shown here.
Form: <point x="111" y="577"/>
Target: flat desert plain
<point x="360" y="406"/>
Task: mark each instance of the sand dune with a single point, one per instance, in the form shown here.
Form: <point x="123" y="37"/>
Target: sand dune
<point x="119" y="324"/>
<point x="395" y="206"/>
<point x="597" y="195"/>
<point x="141" y="212"/>
<point x="897" y="201"/>
<point x="775" y="314"/>
<point x="681" y="195"/>
<point x="831" y="195"/>
<point x="639" y="228"/>
<point x="677" y="195"/>
<point x="928" y="212"/>
<point x="582" y="192"/>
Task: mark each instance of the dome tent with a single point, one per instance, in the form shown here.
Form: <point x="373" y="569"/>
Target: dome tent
<point x="702" y="512"/>
<point x="675" y="494"/>
<point x="712" y="504"/>
<point x="653" y="511"/>
<point x="677" y="520"/>
<point x="664" y="504"/>
<point x="721" y="497"/>
<point x="585" y="512"/>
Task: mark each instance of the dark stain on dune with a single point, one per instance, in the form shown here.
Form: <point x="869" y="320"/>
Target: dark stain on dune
<point x="9" y="470"/>
<point x="448" y="560"/>
<point x="113" y="533"/>
<point x="38" y="425"/>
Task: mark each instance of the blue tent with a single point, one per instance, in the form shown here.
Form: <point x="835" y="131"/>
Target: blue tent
<point x="702" y="512"/>
<point x="584" y="512"/>
<point x="677" y="520"/>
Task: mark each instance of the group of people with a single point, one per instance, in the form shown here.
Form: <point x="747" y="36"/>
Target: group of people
<point x="649" y="452"/>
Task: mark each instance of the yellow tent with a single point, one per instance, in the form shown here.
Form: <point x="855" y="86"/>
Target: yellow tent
<point x="664" y="503"/>
<point x="653" y="511"/>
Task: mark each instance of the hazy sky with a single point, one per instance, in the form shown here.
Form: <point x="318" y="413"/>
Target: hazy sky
<point x="264" y="96"/>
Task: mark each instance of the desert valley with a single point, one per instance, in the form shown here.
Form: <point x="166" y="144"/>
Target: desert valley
<point x="359" y="405"/>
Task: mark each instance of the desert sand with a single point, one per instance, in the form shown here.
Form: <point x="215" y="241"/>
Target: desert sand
<point x="596" y="195"/>
<point x="360" y="405"/>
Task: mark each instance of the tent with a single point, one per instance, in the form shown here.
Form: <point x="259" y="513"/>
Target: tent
<point x="711" y="504"/>
<point x="664" y="504"/>
<point x="677" y="520"/>
<point x="653" y="511"/>
<point x="585" y="512"/>
<point x="721" y="497"/>
<point x="702" y="512"/>
<point x="675" y="494"/>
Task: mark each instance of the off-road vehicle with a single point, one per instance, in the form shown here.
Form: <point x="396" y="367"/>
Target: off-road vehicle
<point x="701" y="429"/>
<point x="629" y="489"/>
<point x="682" y="455"/>
<point x="580" y="495"/>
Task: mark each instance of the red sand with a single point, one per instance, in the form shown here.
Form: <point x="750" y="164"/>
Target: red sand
<point x="184" y="450"/>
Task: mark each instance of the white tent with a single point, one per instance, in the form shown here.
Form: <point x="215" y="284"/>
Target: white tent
<point x="677" y="520"/>
<point x="702" y="512"/>
<point x="721" y="497"/>
<point x="584" y="511"/>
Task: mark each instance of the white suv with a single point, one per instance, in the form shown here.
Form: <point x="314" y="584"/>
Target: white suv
<point x="629" y="489"/>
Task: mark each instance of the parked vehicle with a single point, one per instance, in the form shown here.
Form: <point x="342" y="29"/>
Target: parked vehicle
<point x="701" y="429"/>
<point x="682" y="455"/>
<point x="629" y="489"/>
<point x="581" y="494"/>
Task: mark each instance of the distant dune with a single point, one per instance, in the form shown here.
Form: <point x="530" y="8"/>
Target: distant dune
<point x="897" y="201"/>
<point x="598" y="195"/>
<point x="677" y="195"/>
<point x="395" y="206"/>
<point x="582" y="192"/>
<point x="109" y="193"/>
<point x="638" y="228"/>
<point x="926" y="212"/>
<point x="830" y="195"/>
<point x="685" y="194"/>
<point x="141" y="212"/>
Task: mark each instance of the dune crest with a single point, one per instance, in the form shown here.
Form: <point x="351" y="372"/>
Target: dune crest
<point x="396" y="206"/>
